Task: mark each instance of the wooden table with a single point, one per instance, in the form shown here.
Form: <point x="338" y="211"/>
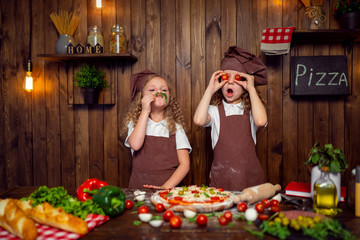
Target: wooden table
<point x="122" y="227"/>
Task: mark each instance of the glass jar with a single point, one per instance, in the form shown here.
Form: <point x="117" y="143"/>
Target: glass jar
<point x="325" y="194"/>
<point x="117" y="40"/>
<point x="95" y="36"/>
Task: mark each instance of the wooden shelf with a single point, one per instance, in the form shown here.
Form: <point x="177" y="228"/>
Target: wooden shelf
<point x="121" y="57"/>
<point x="326" y="35"/>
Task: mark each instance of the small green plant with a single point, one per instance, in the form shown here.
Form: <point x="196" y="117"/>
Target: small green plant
<point x="346" y="6"/>
<point x="327" y="156"/>
<point x="90" y="77"/>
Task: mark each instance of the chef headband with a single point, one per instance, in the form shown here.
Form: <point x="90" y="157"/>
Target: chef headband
<point x="137" y="81"/>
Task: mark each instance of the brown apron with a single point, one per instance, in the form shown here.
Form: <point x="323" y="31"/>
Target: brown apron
<point x="155" y="162"/>
<point x="235" y="165"/>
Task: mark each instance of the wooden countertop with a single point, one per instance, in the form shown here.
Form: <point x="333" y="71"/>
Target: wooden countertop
<point x="122" y="227"/>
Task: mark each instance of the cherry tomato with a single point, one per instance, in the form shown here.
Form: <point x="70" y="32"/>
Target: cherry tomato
<point x="220" y="189"/>
<point x="274" y="202"/>
<point x="167" y="215"/>
<point x="241" y="207"/>
<point x="275" y="208"/>
<point x="222" y="220"/>
<point x="266" y="203"/>
<point x="228" y="216"/>
<point x="225" y="77"/>
<point x="260" y="208"/>
<point x="263" y="217"/>
<point x="143" y="209"/>
<point x="201" y="220"/>
<point x="159" y="207"/>
<point x="237" y="77"/>
<point x="175" y="222"/>
<point x="129" y="204"/>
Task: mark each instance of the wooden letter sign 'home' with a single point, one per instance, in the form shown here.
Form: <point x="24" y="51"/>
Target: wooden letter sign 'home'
<point x="319" y="75"/>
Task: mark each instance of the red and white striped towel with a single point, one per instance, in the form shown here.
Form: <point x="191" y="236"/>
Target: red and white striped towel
<point x="46" y="232"/>
<point x="276" y="41"/>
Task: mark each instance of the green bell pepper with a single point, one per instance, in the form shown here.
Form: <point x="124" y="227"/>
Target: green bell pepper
<point x="111" y="199"/>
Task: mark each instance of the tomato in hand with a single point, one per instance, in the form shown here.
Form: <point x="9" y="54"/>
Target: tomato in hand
<point x="263" y="217"/>
<point x="260" y="208"/>
<point x="201" y="220"/>
<point x="222" y="220"/>
<point x="266" y="203"/>
<point x="175" y="222"/>
<point x="237" y="77"/>
<point x="143" y="209"/>
<point x="275" y="209"/>
<point x="225" y="77"/>
<point x="274" y="202"/>
<point x="167" y="215"/>
<point x="241" y="207"/>
<point x="129" y="204"/>
<point x="228" y="215"/>
<point x="159" y="207"/>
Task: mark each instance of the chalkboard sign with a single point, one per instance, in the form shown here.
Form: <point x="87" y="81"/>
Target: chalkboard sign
<point x="319" y="75"/>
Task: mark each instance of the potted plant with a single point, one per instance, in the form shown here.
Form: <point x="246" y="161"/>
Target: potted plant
<point x="327" y="156"/>
<point x="349" y="13"/>
<point x="92" y="81"/>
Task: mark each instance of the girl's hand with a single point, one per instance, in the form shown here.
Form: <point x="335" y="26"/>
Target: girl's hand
<point x="214" y="84"/>
<point x="153" y="187"/>
<point x="146" y="102"/>
<point x="248" y="84"/>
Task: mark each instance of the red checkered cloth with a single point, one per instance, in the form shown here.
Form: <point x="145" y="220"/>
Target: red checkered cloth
<point x="46" y="232"/>
<point x="276" y="41"/>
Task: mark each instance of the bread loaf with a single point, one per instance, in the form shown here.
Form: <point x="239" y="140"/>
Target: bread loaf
<point x="14" y="220"/>
<point x="46" y="214"/>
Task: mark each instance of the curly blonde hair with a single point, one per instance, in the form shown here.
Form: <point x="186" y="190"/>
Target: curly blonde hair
<point x="244" y="98"/>
<point x="173" y="113"/>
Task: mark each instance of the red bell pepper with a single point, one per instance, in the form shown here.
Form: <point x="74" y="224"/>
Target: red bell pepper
<point x="89" y="187"/>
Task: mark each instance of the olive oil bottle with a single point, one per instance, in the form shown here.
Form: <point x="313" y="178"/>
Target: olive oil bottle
<point x="325" y="194"/>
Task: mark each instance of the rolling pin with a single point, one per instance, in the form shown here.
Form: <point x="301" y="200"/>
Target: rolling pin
<point x="257" y="193"/>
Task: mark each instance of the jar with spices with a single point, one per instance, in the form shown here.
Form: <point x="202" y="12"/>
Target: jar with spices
<point x="95" y="36"/>
<point x="117" y="40"/>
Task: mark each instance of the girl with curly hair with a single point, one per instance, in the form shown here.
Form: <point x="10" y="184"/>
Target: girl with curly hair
<point x="235" y="113"/>
<point x="156" y="135"/>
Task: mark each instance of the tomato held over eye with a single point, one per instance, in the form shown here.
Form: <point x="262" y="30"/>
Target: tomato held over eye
<point x="167" y="215"/>
<point x="237" y="77"/>
<point x="222" y="221"/>
<point x="201" y="220"/>
<point x="241" y="207"/>
<point x="266" y="203"/>
<point x="143" y="209"/>
<point x="129" y="204"/>
<point x="228" y="215"/>
<point x="159" y="207"/>
<point x="274" y="202"/>
<point x="260" y="208"/>
<point x="175" y="222"/>
<point x="225" y="77"/>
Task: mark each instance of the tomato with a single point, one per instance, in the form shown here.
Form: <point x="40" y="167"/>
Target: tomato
<point x="237" y="77"/>
<point x="167" y="215"/>
<point x="201" y="220"/>
<point x="129" y="204"/>
<point x="143" y="209"/>
<point x="225" y="77"/>
<point x="222" y="220"/>
<point x="266" y="203"/>
<point x="241" y="207"/>
<point x="215" y="198"/>
<point x="159" y="207"/>
<point x="274" y="202"/>
<point x="220" y="189"/>
<point x="275" y="208"/>
<point x="228" y="216"/>
<point x="178" y="198"/>
<point x="260" y="208"/>
<point x="175" y="222"/>
<point x="263" y="217"/>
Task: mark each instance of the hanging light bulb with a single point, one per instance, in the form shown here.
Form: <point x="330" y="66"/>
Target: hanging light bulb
<point x="99" y="4"/>
<point x="28" y="82"/>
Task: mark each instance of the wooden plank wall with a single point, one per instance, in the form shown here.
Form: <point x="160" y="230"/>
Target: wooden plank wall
<point x="44" y="140"/>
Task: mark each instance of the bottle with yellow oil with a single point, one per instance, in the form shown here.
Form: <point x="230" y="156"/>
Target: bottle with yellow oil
<point x="325" y="194"/>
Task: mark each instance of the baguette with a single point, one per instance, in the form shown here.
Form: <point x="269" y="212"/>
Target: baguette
<point x="14" y="220"/>
<point x="46" y="214"/>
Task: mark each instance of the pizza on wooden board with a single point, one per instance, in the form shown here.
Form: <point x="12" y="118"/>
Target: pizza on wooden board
<point x="199" y="199"/>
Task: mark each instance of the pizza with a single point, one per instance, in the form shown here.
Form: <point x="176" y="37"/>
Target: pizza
<point x="199" y="199"/>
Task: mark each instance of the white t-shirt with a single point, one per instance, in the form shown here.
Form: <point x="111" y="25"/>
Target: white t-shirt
<point x="159" y="129"/>
<point x="230" y="109"/>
